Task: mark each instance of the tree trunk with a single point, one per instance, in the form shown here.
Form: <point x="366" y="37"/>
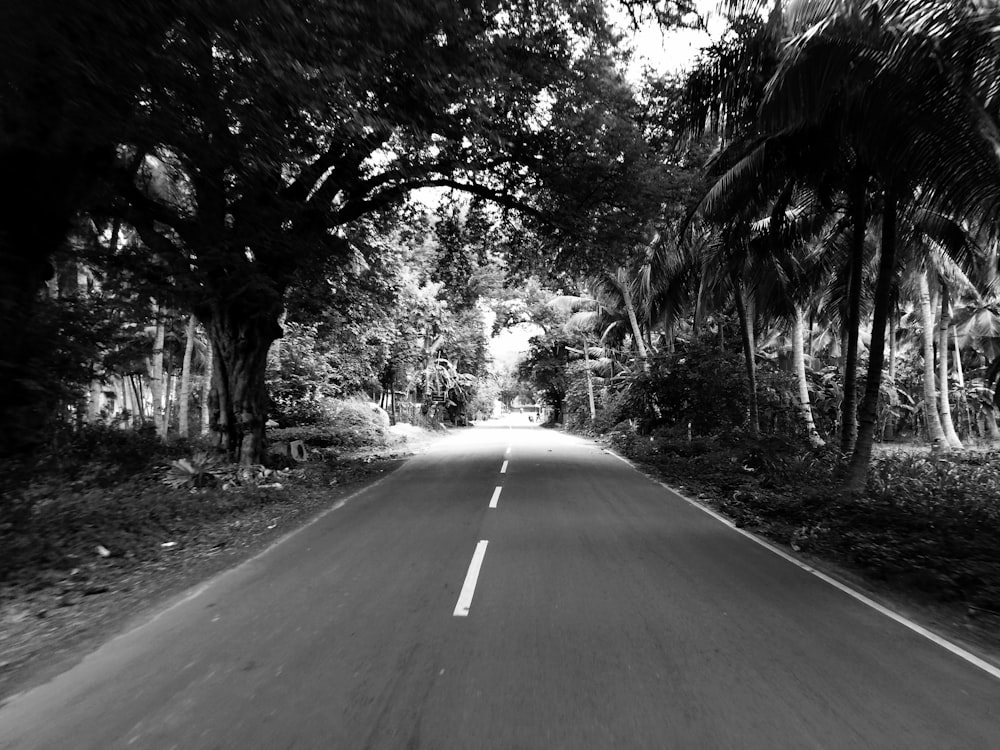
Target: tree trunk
<point x="944" y="390"/>
<point x="859" y="224"/>
<point x="799" y="362"/>
<point x="590" y="382"/>
<point x="239" y="408"/>
<point x="935" y="433"/>
<point x="809" y="337"/>
<point x="697" y="315"/>
<point x="94" y="399"/>
<point x="156" y="372"/>
<point x="893" y="326"/>
<point x="140" y="400"/>
<point x="206" y="391"/>
<point x="963" y="401"/>
<point x="128" y="401"/>
<point x="857" y="471"/>
<point x="633" y="321"/>
<point x="748" y="353"/>
<point x="894" y="399"/>
<point x="169" y="399"/>
<point x="183" y="426"/>
<point x="35" y="215"/>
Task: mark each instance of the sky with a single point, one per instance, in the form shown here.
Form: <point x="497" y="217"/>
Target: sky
<point x="674" y="50"/>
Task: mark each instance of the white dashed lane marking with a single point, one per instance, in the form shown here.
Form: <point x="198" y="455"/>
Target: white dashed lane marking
<point x="469" y="587"/>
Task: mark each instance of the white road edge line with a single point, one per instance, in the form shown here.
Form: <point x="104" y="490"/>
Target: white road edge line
<point x="503" y="469"/>
<point x="469" y="587"/>
<point x="944" y="643"/>
<point x="496" y="497"/>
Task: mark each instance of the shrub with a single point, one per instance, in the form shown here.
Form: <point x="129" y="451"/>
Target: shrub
<point x="348" y="423"/>
<point x="701" y="386"/>
<point x="192" y="473"/>
<point x="576" y="404"/>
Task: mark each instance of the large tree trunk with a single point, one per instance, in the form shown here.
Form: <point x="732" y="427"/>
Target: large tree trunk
<point x="239" y="394"/>
<point x="935" y="432"/>
<point x="945" y="396"/>
<point x="849" y="407"/>
<point x="183" y="423"/>
<point x="799" y="363"/>
<point x="746" y="329"/>
<point x="857" y="471"/>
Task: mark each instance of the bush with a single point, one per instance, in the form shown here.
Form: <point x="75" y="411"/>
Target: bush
<point x="350" y="423"/>
<point x="576" y="404"/>
<point x="701" y="386"/>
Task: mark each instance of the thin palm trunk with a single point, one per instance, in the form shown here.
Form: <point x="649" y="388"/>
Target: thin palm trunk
<point x="184" y="400"/>
<point x="169" y="400"/>
<point x="746" y="329"/>
<point x="633" y="322"/>
<point x="963" y="402"/>
<point x="139" y="397"/>
<point x="590" y="381"/>
<point x="893" y="327"/>
<point x="945" y="392"/>
<point x="849" y="407"/>
<point x="809" y="335"/>
<point x="894" y="398"/>
<point x="799" y="362"/>
<point x="156" y="384"/>
<point x="206" y="391"/>
<point x="935" y="433"/>
<point x="94" y="397"/>
<point x="857" y="472"/>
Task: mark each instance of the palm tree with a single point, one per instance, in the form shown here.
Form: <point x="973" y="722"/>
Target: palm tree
<point x="935" y="430"/>
<point x="924" y="131"/>
<point x="615" y="292"/>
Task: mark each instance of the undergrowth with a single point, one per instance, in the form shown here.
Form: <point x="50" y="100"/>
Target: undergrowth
<point x="101" y="498"/>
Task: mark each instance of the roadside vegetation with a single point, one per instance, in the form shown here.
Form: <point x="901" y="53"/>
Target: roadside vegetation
<point x="248" y="249"/>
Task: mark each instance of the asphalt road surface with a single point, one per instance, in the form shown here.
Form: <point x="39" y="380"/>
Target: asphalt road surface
<point x="587" y="608"/>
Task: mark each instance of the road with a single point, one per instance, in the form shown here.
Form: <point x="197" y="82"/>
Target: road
<point x="589" y="608"/>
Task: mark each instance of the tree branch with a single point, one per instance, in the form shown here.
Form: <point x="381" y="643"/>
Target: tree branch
<point x="358" y="208"/>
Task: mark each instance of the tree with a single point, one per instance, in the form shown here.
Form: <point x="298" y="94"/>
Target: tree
<point x="277" y="131"/>
<point x="183" y="425"/>
<point x="72" y="79"/>
<point x="925" y="139"/>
